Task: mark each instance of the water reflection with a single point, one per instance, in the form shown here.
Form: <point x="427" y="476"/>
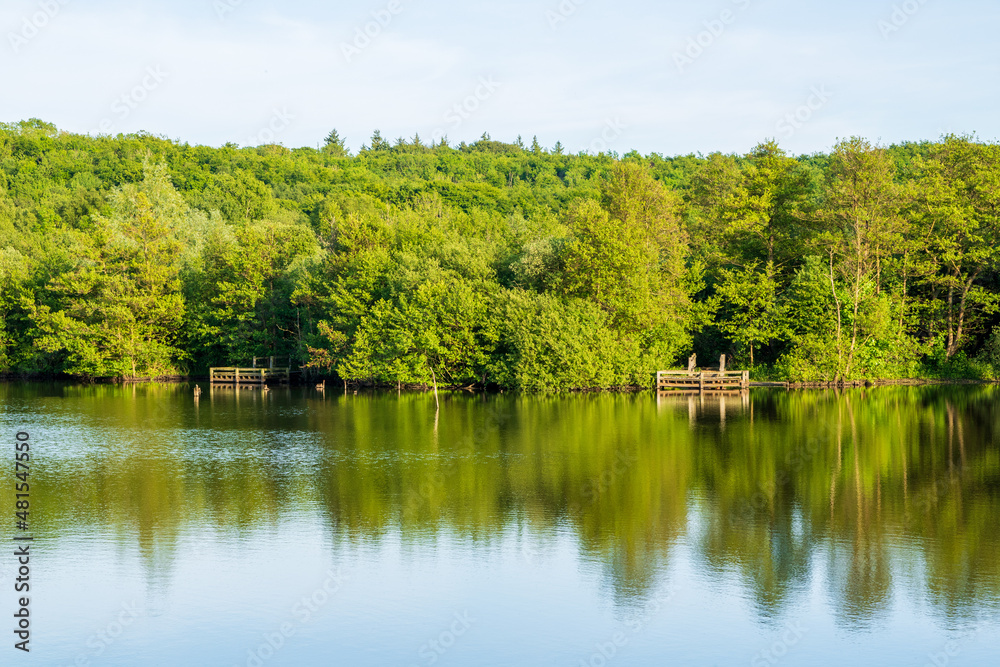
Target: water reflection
<point x="876" y="493"/>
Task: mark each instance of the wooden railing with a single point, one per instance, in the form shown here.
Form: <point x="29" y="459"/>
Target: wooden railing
<point x="254" y="376"/>
<point x="703" y="380"/>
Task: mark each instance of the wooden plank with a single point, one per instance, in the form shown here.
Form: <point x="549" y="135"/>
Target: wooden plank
<point x="708" y="372"/>
<point x="704" y="380"/>
<point x="707" y="392"/>
<point x="237" y="376"/>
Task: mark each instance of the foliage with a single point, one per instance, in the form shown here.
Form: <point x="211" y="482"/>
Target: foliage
<point x="492" y="262"/>
<point x="749" y="311"/>
<point x="118" y="311"/>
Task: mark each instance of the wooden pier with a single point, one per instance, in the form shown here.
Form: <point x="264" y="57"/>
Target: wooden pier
<point x="703" y="379"/>
<point x="254" y="377"/>
<point x="249" y="376"/>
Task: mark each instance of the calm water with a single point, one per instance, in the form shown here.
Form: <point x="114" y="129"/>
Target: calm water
<point x="296" y="529"/>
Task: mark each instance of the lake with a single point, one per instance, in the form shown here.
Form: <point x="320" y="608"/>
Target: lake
<point x="298" y="528"/>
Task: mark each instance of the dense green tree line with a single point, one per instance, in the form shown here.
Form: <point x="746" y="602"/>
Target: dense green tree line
<point x="136" y="256"/>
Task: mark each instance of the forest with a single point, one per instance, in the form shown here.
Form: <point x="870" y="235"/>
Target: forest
<point x="493" y="264"/>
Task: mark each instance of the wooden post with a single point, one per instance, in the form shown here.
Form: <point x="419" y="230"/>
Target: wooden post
<point x="701" y="381"/>
<point x="722" y="365"/>
<point x="255" y="362"/>
<point x="272" y="362"/>
<point x="692" y="363"/>
<point x="659" y="375"/>
<point x="437" y="403"/>
<point x="746" y="380"/>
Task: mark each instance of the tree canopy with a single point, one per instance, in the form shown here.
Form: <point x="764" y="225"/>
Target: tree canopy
<point x="494" y="263"/>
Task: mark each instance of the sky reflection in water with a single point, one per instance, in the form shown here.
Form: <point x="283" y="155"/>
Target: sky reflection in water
<point x="789" y="528"/>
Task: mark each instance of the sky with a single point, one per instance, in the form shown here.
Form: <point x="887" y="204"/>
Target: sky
<point x="596" y="75"/>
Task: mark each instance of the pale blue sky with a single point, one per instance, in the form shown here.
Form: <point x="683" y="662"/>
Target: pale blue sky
<point x="593" y="74"/>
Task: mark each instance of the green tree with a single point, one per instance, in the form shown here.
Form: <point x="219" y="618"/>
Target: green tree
<point x="749" y="310"/>
<point x="117" y="313"/>
<point x="762" y="205"/>
<point x="959" y="209"/>
<point x="334" y="145"/>
<point x="628" y="256"/>
<point x="245" y="198"/>
<point x="242" y="305"/>
<point x="378" y="143"/>
<point x="862" y="225"/>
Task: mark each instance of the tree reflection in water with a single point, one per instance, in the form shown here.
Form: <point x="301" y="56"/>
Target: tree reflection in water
<point x="877" y="492"/>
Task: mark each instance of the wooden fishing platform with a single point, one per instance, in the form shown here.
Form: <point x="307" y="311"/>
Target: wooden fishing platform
<point x="235" y="377"/>
<point x="703" y="379"/>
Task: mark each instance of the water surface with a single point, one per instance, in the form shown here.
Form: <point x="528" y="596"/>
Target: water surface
<point x="295" y="528"/>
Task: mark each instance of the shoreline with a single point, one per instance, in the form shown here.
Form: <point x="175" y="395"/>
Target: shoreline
<point x="417" y="388"/>
<point x="856" y="384"/>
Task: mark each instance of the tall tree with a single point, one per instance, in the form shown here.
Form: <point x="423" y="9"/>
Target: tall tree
<point x="118" y="312"/>
<point x="628" y="255"/>
<point x="959" y="211"/>
<point x="243" y="307"/>
<point x="861" y="226"/>
<point x="760" y="199"/>
<point x="749" y="311"/>
<point x="378" y="143"/>
<point x="334" y="145"/>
